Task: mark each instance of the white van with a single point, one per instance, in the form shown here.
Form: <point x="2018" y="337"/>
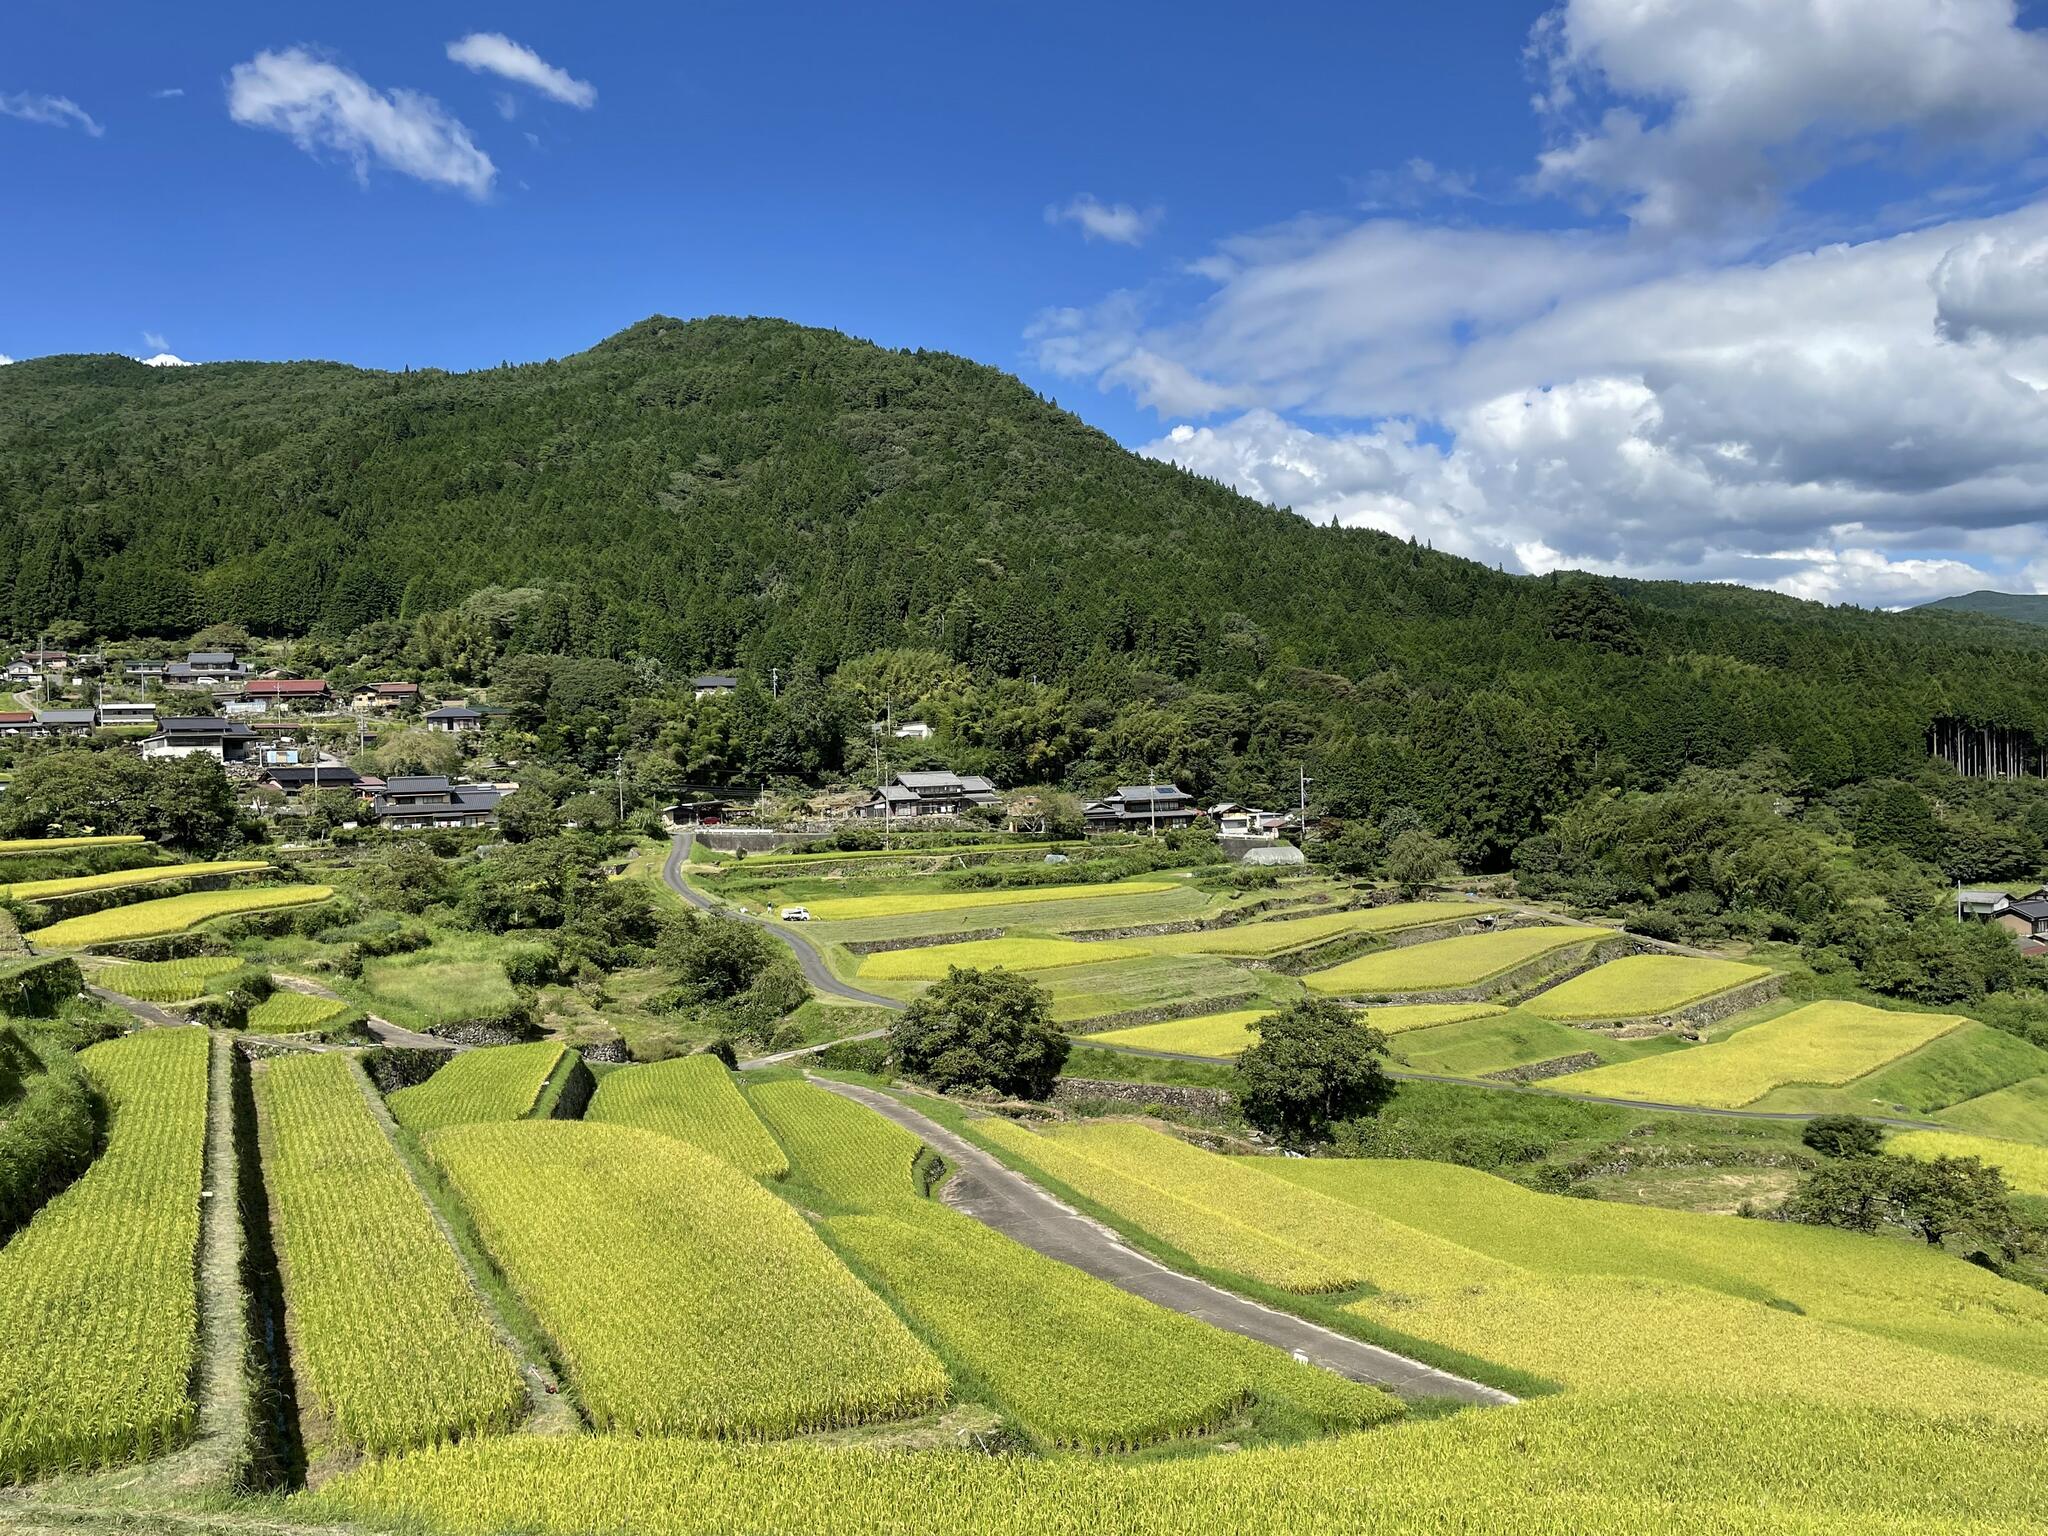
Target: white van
<point x="795" y="915"/>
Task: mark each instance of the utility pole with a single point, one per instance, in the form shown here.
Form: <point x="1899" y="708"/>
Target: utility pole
<point x="622" y="788"/>
<point x="1305" y="782"/>
<point x="775" y="682"/>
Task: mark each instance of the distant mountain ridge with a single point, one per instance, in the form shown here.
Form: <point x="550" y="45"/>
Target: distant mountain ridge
<point x="2022" y="607"/>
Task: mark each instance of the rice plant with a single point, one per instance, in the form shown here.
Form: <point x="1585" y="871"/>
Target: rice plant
<point x="692" y="1097"/>
<point x="682" y="1296"/>
<point x="167" y="981"/>
<point x="98" y="1295"/>
<point x="1635" y="986"/>
<point x="836" y="1146"/>
<point x="285" y="1013"/>
<point x="117" y="879"/>
<point x="172" y="914"/>
<point x="931" y="962"/>
<point x="499" y="1082"/>
<point x="389" y="1340"/>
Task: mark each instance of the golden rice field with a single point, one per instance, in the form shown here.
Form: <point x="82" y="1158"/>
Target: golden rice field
<point x="1464" y="961"/>
<point x="389" y="1341"/>
<point x="1076" y="1362"/>
<point x="932" y="962"/>
<point x="1636" y="986"/>
<point x="1725" y="1464"/>
<point x="1275" y="936"/>
<point x="1223" y="1035"/>
<point x="288" y="1013"/>
<point x="694" y="1098"/>
<point x="99" y="1315"/>
<point x="172" y="914"/>
<point x="837" y="1146"/>
<point x="166" y="981"/>
<point x="681" y="1295"/>
<point x="2024" y="1164"/>
<point x="499" y="1082"/>
<point x="1828" y="1044"/>
<point x="842" y="909"/>
<point x="119" y="879"/>
<point x="20" y="845"/>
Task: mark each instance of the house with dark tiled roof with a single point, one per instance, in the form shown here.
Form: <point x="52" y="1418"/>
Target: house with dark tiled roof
<point x="228" y="741"/>
<point x="1141" y="808"/>
<point x="433" y="800"/>
<point x="455" y="719"/>
<point x="385" y="696"/>
<point x="937" y="793"/>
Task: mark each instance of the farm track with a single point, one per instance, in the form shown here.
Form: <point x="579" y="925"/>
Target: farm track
<point x="386" y="1032"/>
<point x="998" y="1197"/>
<point x="815" y="970"/>
<point x="1554" y="1093"/>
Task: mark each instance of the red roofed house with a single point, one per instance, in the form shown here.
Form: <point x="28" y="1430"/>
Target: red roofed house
<point x="386" y="695"/>
<point x="17" y="722"/>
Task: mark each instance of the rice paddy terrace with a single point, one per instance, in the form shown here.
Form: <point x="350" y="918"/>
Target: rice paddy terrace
<point x="700" y="1301"/>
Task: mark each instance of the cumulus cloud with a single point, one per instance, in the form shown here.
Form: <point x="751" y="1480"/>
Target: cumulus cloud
<point x="51" y="111"/>
<point x="1119" y="223"/>
<point x="496" y="54"/>
<point x="5" y="359"/>
<point x="1691" y="112"/>
<point x="322" y="107"/>
<point x="1993" y="286"/>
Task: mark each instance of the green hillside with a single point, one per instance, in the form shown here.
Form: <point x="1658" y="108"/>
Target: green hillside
<point x="2021" y="607"/>
<point x="751" y="493"/>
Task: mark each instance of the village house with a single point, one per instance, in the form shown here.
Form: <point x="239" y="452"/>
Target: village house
<point x="66" y="722"/>
<point x="291" y="778"/>
<point x="455" y="719"/>
<point x="278" y="695"/>
<point x="128" y="712"/>
<point x="714" y="682"/>
<point x="409" y="801"/>
<point x="144" y="671"/>
<point x="930" y="794"/>
<point x="35" y="663"/>
<point x="227" y="741"/>
<point x="1235" y="820"/>
<point x="385" y="696"/>
<point x="17" y="722"/>
<point x="1141" y="808"/>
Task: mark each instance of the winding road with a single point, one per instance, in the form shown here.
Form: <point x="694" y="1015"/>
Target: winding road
<point x="815" y="970"/>
<point x="996" y="1196"/>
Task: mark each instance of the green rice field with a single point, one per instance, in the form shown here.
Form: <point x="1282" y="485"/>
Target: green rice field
<point x="1275" y="936"/>
<point x="2024" y="1164"/>
<point x="933" y="961"/>
<point x="898" y="904"/>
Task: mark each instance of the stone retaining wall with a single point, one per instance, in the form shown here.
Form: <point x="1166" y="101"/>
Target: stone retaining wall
<point x="1231" y="919"/>
<point x="918" y="941"/>
<point x="1179" y="1095"/>
<point x="1693" y="1018"/>
<point x="747" y="839"/>
<point x="1537" y="1071"/>
<point x="1080" y="1029"/>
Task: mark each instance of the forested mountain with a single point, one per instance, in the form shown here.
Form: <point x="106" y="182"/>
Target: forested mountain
<point x="2020" y="607"/>
<point x="748" y="492"/>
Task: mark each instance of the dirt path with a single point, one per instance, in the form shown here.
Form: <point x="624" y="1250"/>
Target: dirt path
<point x="386" y="1032"/>
<point x="999" y="1197"/>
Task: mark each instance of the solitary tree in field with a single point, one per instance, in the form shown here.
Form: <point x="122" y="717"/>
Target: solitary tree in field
<point x="1417" y="859"/>
<point x="1843" y="1136"/>
<point x="977" y="1029"/>
<point x="1316" y="1063"/>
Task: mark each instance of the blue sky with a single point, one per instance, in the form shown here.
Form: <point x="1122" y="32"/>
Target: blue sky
<point x="1741" y="289"/>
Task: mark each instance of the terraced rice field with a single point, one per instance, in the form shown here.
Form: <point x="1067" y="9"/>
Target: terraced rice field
<point x="1076" y="1362"/>
<point x="1083" y="992"/>
<point x="1830" y="1044"/>
<point x="12" y="846"/>
<point x="933" y="961"/>
<point x="1465" y="961"/>
<point x="172" y="914"/>
<point x="848" y="1152"/>
<point x="1726" y="1464"/>
<point x="1213" y="1034"/>
<point x="500" y="1082"/>
<point x="1402" y="1018"/>
<point x="166" y="981"/>
<point x="289" y="1013"/>
<point x="2025" y="1166"/>
<point x="119" y="879"/>
<point x="1276" y="936"/>
<point x="1496" y="1041"/>
<point x="389" y="1341"/>
<point x="681" y="1295"/>
<point x="1637" y="986"/>
<point x="693" y="1098"/>
<point x="900" y="903"/>
<point x="99" y="1318"/>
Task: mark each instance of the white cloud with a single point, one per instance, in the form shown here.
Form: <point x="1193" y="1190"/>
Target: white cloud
<point x="5" y="360"/>
<point x="155" y="342"/>
<point x="1119" y="223"/>
<point x="1993" y="287"/>
<point x="167" y="93"/>
<point x="51" y="111"/>
<point x="494" y="53"/>
<point x="164" y="360"/>
<point x="1692" y="112"/>
<point x="322" y="107"/>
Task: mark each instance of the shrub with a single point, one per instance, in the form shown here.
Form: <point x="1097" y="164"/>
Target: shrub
<point x="1843" y="1136"/>
<point x="1315" y="1064"/>
<point x="982" y="1030"/>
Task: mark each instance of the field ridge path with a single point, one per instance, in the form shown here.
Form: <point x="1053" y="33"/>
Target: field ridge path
<point x="999" y="1197"/>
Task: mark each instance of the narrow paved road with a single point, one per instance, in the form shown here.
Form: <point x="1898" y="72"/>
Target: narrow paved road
<point x="815" y="970"/>
<point x="993" y="1194"/>
<point x="1554" y="1093"/>
<point x="385" y="1031"/>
